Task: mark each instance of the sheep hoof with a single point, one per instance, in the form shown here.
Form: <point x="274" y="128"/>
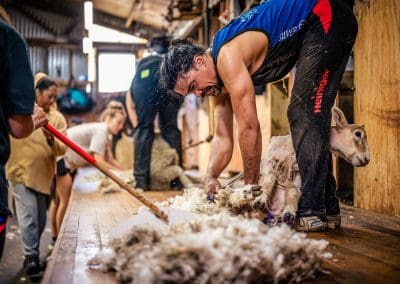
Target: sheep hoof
<point x="288" y="218"/>
<point x="211" y="197"/>
<point x="270" y="220"/>
<point x="258" y="204"/>
<point x="256" y="190"/>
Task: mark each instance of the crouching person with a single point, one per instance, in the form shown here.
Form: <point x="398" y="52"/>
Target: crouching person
<point x="30" y="170"/>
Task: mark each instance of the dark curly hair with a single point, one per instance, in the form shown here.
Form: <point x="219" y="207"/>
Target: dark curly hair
<point x="45" y="83"/>
<point x="178" y="60"/>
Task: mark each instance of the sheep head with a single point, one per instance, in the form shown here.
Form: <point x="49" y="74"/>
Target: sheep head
<point x="348" y="141"/>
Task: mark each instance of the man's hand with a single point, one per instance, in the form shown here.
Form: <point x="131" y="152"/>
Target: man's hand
<point x="39" y="117"/>
<point x="212" y="187"/>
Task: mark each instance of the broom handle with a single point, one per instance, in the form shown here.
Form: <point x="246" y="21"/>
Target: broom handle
<point x="157" y="211"/>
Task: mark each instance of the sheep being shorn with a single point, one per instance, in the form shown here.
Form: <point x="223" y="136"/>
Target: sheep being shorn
<point x="213" y="249"/>
<point x="280" y="178"/>
<point x="164" y="167"/>
<point x="221" y="248"/>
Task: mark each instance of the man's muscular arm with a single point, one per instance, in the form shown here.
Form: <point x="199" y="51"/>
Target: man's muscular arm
<point x="238" y="83"/>
<point x="222" y="144"/>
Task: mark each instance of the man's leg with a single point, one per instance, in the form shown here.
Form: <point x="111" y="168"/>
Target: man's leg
<point x="331" y="201"/>
<point x="143" y="142"/>
<point x="323" y="57"/>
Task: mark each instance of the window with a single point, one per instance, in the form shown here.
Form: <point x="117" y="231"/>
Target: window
<point x="116" y="71"/>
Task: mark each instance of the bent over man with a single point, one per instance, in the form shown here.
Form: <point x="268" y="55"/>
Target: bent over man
<point x="260" y="46"/>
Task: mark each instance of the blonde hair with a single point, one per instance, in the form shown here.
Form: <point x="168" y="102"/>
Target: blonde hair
<point x="39" y="77"/>
<point x="113" y="108"/>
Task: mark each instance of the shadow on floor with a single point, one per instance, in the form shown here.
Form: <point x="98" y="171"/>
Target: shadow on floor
<point x="11" y="270"/>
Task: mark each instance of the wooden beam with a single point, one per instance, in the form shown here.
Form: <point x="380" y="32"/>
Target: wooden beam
<point x="73" y="44"/>
<point x="148" y="17"/>
<point x="184" y="30"/>
<point x="110" y="21"/>
<point x="119" y="47"/>
<point x="377" y="104"/>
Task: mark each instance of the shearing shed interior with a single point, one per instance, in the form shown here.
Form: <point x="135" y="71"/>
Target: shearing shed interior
<point x="200" y="141"/>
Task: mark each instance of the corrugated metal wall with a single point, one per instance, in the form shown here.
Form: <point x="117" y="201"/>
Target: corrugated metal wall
<point x="38" y="56"/>
<point x="60" y="63"/>
<point x="58" y="59"/>
<point x="28" y="28"/>
<point x="79" y="64"/>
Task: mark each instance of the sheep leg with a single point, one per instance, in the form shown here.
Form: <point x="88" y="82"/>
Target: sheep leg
<point x="267" y="183"/>
<point x="292" y="196"/>
<point x="186" y="182"/>
<point x="279" y="171"/>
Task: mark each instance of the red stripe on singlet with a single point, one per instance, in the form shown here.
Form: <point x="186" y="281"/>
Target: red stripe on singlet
<point x="324" y="12"/>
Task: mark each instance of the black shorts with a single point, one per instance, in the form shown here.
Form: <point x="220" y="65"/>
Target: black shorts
<point x="62" y="169"/>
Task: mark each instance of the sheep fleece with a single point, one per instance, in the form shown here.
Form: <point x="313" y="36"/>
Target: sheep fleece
<point x="213" y="249"/>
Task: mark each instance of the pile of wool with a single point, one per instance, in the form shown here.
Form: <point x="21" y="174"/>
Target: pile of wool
<point x="193" y="200"/>
<point x="107" y="185"/>
<point x="236" y="201"/>
<point x="213" y="249"/>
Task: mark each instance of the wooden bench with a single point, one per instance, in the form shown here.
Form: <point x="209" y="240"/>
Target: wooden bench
<point x="365" y="250"/>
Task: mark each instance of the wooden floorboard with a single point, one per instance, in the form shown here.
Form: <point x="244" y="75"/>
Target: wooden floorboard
<point x="365" y="250"/>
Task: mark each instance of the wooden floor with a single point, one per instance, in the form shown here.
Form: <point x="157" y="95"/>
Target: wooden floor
<point x="365" y="250"/>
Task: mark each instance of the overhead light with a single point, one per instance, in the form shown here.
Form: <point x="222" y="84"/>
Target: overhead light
<point x="87" y="45"/>
<point x="92" y="65"/>
<point x="88" y="14"/>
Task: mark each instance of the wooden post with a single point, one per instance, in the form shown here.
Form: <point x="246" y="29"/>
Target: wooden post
<point x="377" y="103"/>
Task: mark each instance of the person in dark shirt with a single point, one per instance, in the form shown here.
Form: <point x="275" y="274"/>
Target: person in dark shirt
<point x="18" y="114"/>
<point x="148" y="101"/>
<point x="260" y="46"/>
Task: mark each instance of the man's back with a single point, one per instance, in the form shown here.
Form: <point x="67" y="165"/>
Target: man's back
<point x="145" y="82"/>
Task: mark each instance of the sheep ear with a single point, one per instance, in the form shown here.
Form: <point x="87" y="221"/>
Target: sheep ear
<point x="339" y="118"/>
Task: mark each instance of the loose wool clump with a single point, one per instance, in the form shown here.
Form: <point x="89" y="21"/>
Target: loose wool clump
<point x="213" y="249"/>
<point x="232" y="201"/>
<point x="193" y="200"/>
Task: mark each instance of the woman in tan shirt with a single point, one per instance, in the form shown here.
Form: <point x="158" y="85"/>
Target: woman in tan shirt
<point x="30" y="170"/>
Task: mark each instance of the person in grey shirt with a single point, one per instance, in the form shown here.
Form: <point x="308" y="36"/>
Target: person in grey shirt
<point x="94" y="138"/>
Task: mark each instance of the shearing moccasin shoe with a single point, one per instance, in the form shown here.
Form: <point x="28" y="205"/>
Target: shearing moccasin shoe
<point x="310" y="224"/>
